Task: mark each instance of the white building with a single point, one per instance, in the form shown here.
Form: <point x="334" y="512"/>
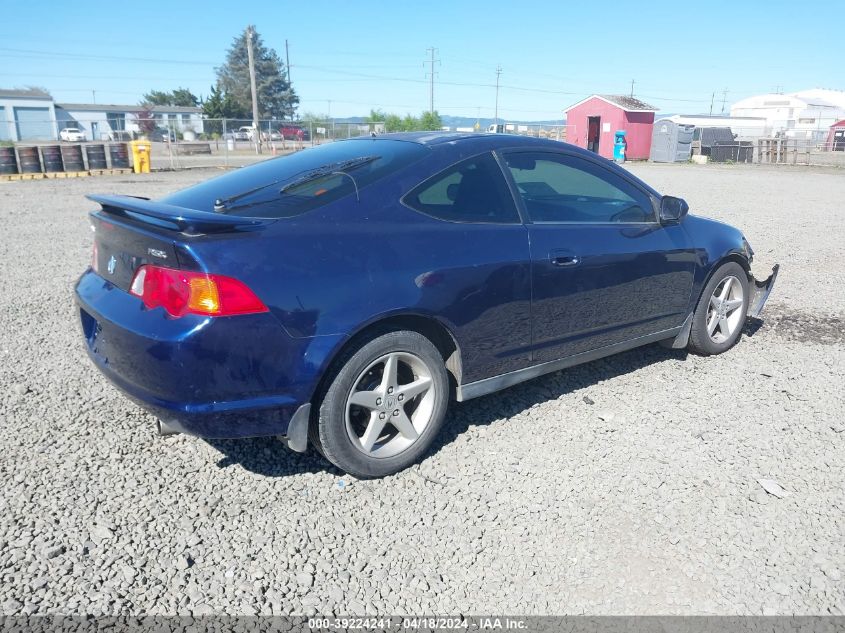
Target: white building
<point x="745" y="128"/>
<point x="102" y="122"/>
<point x="806" y="114"/>
<point x="31" y="115"/>
<point x="27" y="115"/>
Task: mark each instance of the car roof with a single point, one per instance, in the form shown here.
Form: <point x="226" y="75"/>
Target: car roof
<point x="485" y="141"/>
<point x="476" y="140"/>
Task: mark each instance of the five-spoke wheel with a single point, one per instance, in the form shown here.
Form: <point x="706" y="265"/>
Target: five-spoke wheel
<point x="384" y="406"/>
<point x="725" y="313"/>
<point x="390" y="404"/>
<point x="719" y="317"/>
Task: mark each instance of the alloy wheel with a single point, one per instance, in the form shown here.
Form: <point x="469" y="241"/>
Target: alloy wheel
<point x="390" y="405"/>
<point x="724" y="314"/>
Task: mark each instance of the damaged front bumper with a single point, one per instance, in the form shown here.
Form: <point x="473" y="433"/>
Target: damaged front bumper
<point x="760" y="291"/>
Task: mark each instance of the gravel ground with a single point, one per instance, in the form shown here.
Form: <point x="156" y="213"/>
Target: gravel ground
<point x="628" y="485"/>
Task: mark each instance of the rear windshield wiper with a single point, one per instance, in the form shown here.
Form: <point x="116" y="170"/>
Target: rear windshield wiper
<point x="306" y="176"/>
<point x="331" y="169"/>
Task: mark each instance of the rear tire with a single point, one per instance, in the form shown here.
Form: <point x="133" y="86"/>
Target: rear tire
<point x="720" y="314"/>
<point x="384" y="405"/>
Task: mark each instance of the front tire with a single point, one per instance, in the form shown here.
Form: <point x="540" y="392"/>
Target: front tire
<point x="720" y="314"/>
<point x="384" y="406"/>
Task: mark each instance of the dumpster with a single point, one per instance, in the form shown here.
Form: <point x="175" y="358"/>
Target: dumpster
<point x="620" y="145"/>
<point x="141" y="156"/>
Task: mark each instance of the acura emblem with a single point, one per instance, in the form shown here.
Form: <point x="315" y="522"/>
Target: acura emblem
<point x="112" y="264"/>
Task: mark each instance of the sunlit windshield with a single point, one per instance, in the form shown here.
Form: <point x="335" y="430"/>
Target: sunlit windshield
<point x="291" y="185"/>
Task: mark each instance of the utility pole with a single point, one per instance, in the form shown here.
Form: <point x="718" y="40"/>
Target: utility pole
<point x="255" y="131"/>
<point x="712" y="97"/>
<point x="496" y="115"/>
<point x="93" y="96"/>
<point x="724" y="98"/>
<point x="287" y="69"/>
<point x="432" y="51"/>
<point x="287" y="60"/>
<point x="632" y="89"/>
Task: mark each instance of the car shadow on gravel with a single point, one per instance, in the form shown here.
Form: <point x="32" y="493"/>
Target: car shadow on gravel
<point x="269" y="457"/>
<point x="514" y="400"/>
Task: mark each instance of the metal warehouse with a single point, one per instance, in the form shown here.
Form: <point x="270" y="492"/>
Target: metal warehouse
<point x="27" y="115"/>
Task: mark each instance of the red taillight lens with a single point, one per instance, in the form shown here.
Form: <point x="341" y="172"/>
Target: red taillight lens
<point x="181" y="292"/>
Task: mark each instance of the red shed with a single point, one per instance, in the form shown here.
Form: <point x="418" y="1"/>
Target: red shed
<point x="592" y="122"/>
<point x="836" y="137"/>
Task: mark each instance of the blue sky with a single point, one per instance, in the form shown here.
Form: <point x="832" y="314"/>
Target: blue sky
<point x="371" y="54"/>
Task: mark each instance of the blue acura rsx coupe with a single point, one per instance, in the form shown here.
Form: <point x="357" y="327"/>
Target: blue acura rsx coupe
<point x="345" y="294"/>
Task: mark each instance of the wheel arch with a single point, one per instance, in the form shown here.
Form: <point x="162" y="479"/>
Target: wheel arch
<point x="732" y="256"/>
<point x="427" y="325"/>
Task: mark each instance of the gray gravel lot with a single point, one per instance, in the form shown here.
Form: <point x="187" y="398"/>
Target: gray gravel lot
<point x="628" y="485"/>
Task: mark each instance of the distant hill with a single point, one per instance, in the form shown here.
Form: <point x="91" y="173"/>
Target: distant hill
<point x="465" y="121"/>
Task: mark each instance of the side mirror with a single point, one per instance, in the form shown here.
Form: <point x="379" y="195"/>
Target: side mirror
<point x="672" y="210"/>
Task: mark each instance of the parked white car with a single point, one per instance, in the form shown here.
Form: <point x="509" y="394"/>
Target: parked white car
<point x="245" y="133"/>
<point x="72" y="135"/>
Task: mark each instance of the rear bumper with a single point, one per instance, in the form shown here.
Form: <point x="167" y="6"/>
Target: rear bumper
<point x="760" y="291"/>
<point x="212" y="377"/>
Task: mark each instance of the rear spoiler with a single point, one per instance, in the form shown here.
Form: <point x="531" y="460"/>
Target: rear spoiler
<point x="180" y="218"/>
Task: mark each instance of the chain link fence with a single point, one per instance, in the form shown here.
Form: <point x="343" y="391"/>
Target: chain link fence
<point x="190" y="141"/>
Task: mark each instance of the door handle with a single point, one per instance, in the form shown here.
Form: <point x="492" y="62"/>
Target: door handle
<point x="559" y="259"/>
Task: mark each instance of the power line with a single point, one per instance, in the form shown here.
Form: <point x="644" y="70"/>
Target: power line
<point x="19" y="52"/>
<point x="333" y="70"/>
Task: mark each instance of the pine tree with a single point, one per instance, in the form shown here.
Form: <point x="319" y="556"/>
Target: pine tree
<point x="276" y="97"/>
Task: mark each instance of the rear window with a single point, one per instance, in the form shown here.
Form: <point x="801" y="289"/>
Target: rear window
<point x="291" y="185"/>
<point x="474" y="191"/>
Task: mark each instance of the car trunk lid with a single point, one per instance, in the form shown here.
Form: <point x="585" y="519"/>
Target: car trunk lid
<point x="130" y="232"/>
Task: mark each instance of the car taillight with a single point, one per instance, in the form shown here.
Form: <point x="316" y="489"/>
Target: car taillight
<point x="181" y="292"/>
<point x="95" y="255"/>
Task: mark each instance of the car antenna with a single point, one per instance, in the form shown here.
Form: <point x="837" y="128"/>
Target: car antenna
<point x="355" y="184"/>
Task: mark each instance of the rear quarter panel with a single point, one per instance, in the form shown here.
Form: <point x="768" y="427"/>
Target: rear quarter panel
<point x="339" y="268"/>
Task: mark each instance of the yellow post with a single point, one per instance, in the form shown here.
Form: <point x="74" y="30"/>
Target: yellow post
<point x="141" y="156"/>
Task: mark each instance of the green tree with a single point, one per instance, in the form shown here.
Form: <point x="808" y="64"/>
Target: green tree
<point x="276" y="97"/>
<point x="220" y="106"/>
<point x="393" y="123"/>
<point x="184" y="98"/>
<point x="410" y="123"/>
<point x="180" y="97"/>
<point x="157" y="97"/>
<point x="430" y="121"/>
<point x="376" y="116"/>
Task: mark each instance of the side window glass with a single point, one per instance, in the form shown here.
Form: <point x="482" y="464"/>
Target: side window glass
<point x="557" y="188"/>
<point x="474" y="190"/>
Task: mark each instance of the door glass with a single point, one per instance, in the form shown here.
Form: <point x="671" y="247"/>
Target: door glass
<point x="558" y="188"/>
<point x="471" y="191"/>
